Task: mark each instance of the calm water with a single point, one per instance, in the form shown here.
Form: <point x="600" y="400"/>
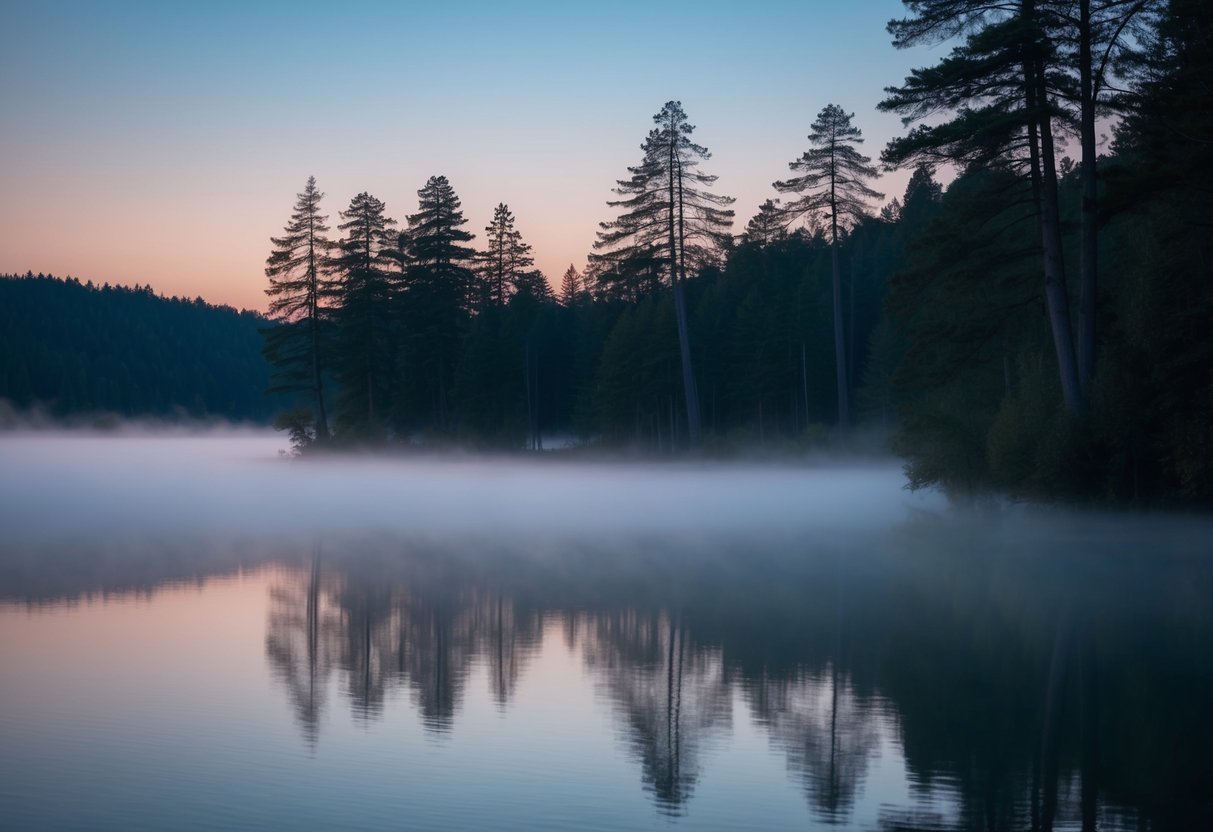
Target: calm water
<point x="196" y="636"/>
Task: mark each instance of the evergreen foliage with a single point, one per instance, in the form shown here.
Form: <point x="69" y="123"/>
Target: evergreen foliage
<point x="669" y="221"/>
<point x="440" y="293"/>
<point x="365" y="325"/>
<point x="74" y="348"/>
<point x="300" y="291"/>
<point x="506" y="262"/>
<point x="832" y="180"/>
<point x="944" y="318"/>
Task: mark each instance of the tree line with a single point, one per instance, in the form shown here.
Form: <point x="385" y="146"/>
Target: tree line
<point x="76" y="349"/>
<point x="947" y="315"/>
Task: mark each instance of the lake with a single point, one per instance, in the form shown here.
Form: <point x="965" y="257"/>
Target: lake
<point x="197" y="634"/>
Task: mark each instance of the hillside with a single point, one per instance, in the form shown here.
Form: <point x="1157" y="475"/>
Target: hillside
<point x="76" y="348"/>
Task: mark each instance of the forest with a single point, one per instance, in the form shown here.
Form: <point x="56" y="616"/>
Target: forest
<point x="77" y="350"/>
<point x="1038" y="327"/>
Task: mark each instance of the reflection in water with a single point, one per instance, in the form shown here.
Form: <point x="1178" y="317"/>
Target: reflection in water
<point x="828" y="733"/>
<point x="301" y="647"/>
<point x="670" y="695"/>
<point x="916" y="684"/>
<point x="382" y="636"/>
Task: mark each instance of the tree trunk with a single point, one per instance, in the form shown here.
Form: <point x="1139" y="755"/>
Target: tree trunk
<point x="1044" y="192"/>
<point x="1056" y="296"/>
<point x="677" y="277"/>
<point x="840" y="355"/>
<point x="1088" y="277"/>
<point x="322" y="422"/>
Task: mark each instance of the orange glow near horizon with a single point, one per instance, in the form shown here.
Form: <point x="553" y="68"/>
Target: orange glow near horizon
<point x="164" y="146"/>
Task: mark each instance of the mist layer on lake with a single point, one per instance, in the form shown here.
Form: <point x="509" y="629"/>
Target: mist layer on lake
<point x="198" y="633"/>
<point x="236" y="481"/>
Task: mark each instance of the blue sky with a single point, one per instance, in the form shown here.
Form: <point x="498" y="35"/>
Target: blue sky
<point x="164" y="142"/>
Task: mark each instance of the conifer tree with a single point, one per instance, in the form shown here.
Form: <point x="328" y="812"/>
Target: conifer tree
<point x="439" y="295"/>
<point x="832" y="181"/>
<point x="364" y="321"/>
<point x="506" y="258"/>
<point x="1000" y="88"/>
<point x="768" y="225"/>
<point x="570" y="287"/>
<point x="671" y="223"/>
<point x="300" y="289"/>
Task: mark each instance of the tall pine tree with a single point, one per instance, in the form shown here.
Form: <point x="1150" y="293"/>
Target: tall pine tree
<point x="300" y="289"/>
<point x="506" y="259"/>
<point x="669" y="222"/>
<point x="832" y="180"/>
<point x="440" y="294"/>
<point x="364" y="321"/>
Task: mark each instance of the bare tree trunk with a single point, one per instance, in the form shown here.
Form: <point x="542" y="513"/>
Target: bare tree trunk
<point x="1044" y="192"/>
<point x="1088" y="278"/>
<point x="322" y="422"/>
<point x="678" y="278"/>
<point x="840" y="355"/>
<point x="1056" y="296"/>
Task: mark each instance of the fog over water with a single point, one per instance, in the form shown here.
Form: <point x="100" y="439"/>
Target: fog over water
<point x="237" y="482"/>
<point x="198" y="632"/>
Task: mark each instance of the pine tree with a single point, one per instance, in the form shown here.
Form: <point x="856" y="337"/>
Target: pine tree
<point x="300" y="289"/>
<point x="669" y="223"/>
<point x="440" y="294"/>
<point x="832" y="180"/>
<point x="768" y="225"/>
<point x="1000" y="85"/>
<point x="570" y="287"/>
<point x="506" y="260"/>
<point x="364" y="319"/>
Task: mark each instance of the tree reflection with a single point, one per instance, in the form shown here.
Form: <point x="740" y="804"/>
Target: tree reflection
<point x="507" y="638"/>
<point x="300" y="646"/>
<point x="368" y="640"/>
<point x="437" y="645"/>
<point x="828" y="733"/>
<point x="385" y="634"/>
<point x="671" y="695"/>
<point x="1007" y="711"/>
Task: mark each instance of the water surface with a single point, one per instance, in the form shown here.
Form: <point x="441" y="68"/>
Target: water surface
<point x="196" y="635"/>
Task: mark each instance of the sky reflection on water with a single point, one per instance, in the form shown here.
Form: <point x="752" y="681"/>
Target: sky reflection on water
<point x="917" y="669"/>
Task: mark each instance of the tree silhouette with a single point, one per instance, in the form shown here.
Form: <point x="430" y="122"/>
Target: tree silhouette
<point x="439" y="294"/>
<point x="300" y="288"/>
<point x="669" y="222"/>
<point x="832" y="176"/>
<point x="364" y="318"/>
<point x="1000" y="87"/>
<point x="768" y="225"/>
<point x="571" y="287"/>
<point x="506" y="261"/>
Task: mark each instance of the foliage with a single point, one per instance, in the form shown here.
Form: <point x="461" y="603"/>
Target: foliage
<point x="77" y="348"/>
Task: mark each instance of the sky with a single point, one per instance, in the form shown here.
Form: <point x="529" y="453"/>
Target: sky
<point x="164" y="143"/>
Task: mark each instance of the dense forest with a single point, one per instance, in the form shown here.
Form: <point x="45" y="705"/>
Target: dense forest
<point x="1037" y="327"/>
<point x="74" y="348"/>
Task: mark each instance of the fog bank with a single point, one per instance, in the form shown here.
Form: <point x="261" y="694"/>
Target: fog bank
<point x="237" y="481"/>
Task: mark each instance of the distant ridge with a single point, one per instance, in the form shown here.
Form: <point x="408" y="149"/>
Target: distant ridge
<point x="73" y="348"/>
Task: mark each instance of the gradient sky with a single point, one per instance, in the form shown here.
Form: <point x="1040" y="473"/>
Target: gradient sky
<point x="164" y="142"/>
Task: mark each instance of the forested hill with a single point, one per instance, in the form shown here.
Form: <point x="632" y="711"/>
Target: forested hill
<point x="76" y="348"/>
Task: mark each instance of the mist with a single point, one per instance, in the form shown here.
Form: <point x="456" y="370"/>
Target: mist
<point x="237" y="481"/>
